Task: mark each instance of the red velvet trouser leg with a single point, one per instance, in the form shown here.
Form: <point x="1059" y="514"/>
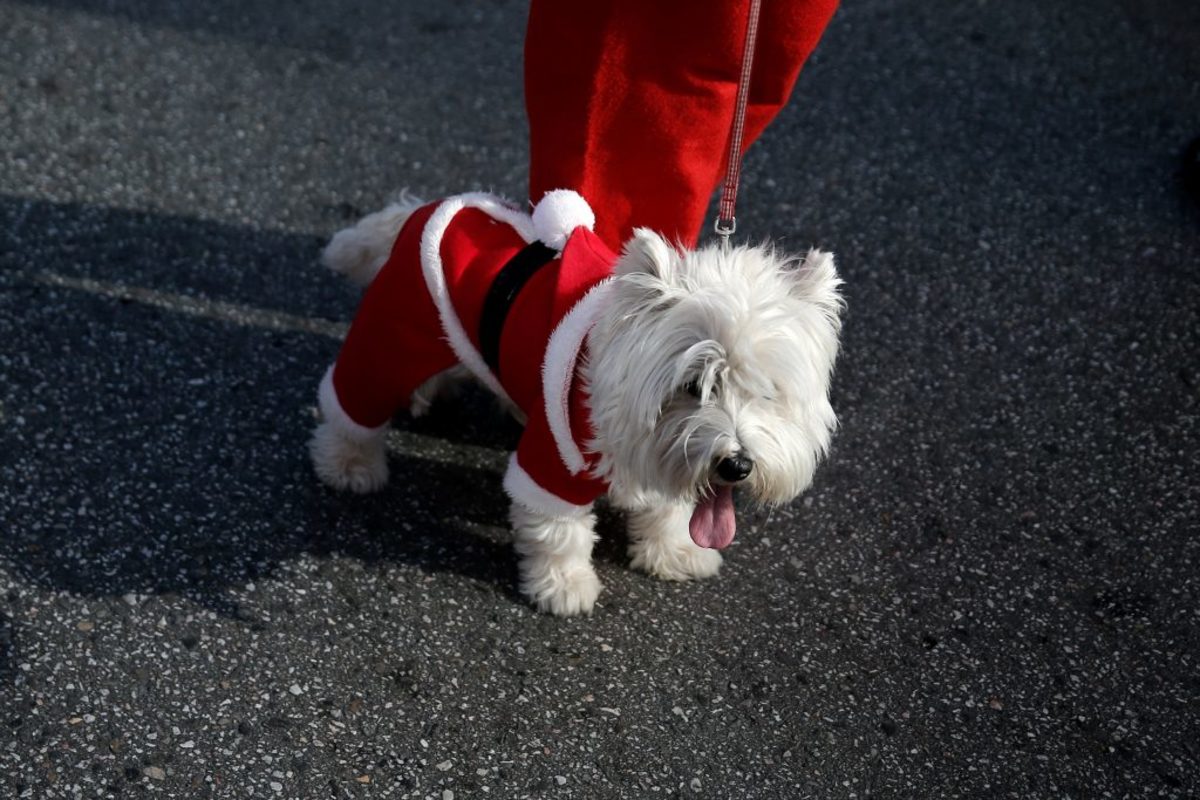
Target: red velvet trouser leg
<point x="630" y="101"/>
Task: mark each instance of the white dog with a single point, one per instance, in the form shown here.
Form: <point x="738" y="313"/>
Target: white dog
<point x="661" y="377"/>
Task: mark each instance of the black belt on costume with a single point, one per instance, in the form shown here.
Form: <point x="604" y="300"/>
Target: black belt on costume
<point x="504" y="290"/>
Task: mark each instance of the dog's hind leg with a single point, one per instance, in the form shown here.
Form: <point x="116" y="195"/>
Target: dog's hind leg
<point x="440" y="385"/>
<point x="394" y="355"/>
<point x="446" y="384"/>
<point x="346" y="455"/>
<point x="346" y="462"/>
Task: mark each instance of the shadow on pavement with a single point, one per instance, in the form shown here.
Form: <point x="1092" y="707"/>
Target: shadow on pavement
<point x="148" y="451"/>
<point x="6" y="649"/>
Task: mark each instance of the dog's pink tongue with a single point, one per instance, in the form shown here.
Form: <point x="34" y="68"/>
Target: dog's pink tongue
<point x="713" y="523"/>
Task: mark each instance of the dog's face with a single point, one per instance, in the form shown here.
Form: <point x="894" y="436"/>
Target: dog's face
<point x="711" y="368"/>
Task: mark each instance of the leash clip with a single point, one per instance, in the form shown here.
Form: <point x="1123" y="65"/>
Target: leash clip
<point x="725" y="228"/>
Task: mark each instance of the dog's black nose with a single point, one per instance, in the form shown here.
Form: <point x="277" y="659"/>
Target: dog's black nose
<point x="734" y="468"/>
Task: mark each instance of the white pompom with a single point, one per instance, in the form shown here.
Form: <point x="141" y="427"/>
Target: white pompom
<point x="557" y="214"/>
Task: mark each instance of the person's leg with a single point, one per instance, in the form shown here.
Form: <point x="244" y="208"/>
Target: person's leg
<point x="630" y="101"/>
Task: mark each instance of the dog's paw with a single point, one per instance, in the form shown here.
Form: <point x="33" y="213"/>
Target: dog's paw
<point x="564" y="593"/>
<point x="346" y="464"/>
<point x="673" y="559"/>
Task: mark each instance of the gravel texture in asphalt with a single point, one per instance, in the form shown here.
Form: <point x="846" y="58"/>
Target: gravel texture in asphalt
<point x="991" y="591"/>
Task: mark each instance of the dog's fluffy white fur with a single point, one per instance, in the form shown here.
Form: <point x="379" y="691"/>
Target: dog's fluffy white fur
<point x="698" y="357"/>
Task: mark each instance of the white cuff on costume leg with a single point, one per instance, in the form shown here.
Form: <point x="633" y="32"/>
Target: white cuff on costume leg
<point x="334" y="414"/>
<point x="523" y="489"/>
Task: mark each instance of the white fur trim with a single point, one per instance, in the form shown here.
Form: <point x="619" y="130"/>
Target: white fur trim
<point x="562" y="353"/>
<point x="522" y="488"/>
<point x="334" y="414"/>
<point x="558" y="213"/>
<point x="435" y="276"/>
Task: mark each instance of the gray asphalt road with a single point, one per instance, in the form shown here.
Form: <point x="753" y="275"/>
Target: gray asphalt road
<point x="991" y="591"/>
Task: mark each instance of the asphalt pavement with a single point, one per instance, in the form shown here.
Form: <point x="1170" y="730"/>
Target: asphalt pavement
<point x="990" y="591"/>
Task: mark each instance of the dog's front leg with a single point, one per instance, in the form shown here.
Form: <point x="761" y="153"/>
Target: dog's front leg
<point x="556" y="559"/>
<point x="660" y="544"/>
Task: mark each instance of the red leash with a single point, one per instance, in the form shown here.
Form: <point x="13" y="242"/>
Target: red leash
<point x="726" y="222"/>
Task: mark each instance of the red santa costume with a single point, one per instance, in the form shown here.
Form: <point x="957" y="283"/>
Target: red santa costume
<point x="473" y="281"/>
<point x="629" y="104"/>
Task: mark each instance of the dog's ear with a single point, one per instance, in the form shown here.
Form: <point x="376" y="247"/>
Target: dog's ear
<point x="815" y="280"/>
<point x="647" y="253"/>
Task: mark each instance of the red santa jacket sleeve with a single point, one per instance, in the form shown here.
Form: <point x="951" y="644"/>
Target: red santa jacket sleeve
<point x="538" y="479"/>
<point x="630" y="101"/>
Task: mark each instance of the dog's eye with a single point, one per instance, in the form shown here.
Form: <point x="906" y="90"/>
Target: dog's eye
<point x="695" y="390"/>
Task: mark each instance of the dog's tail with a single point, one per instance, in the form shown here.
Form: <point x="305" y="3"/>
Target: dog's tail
<point x="360" y="252"/>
